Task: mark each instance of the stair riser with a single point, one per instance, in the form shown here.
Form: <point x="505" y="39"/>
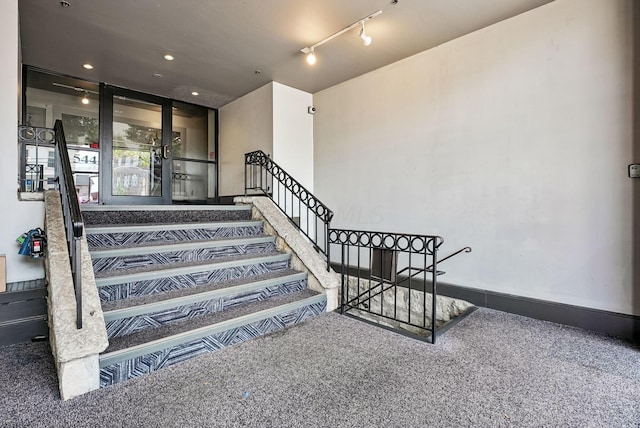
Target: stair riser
<point x="109" y="293"/>
<point x="131" y="239"/>
<point x="134" y="324"/>
<point x="166" y="216"/>
<point x="146" y="364"/>
<point x="194" y="255"/>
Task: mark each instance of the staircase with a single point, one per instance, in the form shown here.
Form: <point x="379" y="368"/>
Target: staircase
<point x="176" y="282"/>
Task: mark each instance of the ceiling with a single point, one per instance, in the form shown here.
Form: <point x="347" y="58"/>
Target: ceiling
<point x="219" y="46"/>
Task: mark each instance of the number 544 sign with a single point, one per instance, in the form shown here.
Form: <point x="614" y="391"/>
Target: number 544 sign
<point x="84" y="160"/>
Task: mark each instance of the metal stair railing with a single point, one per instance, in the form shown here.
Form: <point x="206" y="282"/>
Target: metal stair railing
<point x="302" y="208"/>
<point x="370" y="278"/>
<point x="73" y="222"/>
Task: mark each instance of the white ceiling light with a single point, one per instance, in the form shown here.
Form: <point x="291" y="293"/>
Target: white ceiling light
<point x="309" y="50"/>
<point x="195" y="94"/>
<point x="366" y="40"/>
<point x="169" y="57"/>
<point x="311" y="57"/>
<point x="85" y="99"/>
<point x="87" y="66"/>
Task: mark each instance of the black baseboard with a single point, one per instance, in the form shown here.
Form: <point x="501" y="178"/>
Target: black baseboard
<point x="610" y="323"/>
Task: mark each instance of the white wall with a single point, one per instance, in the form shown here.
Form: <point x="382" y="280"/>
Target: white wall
<point x="16" y="217"/>
<point x="273" y="119"/>
<point x="514" y="140"/>
<point x="293" y="133"/>
<point x="246" y="124"/>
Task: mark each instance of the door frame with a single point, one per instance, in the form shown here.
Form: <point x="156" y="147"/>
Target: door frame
<point x="107" y="92"/>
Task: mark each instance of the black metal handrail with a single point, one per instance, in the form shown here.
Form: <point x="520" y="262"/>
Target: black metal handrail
<point x="369" y="270"/>
<point x="290" y="196"/>
<point x="73" y="222"/>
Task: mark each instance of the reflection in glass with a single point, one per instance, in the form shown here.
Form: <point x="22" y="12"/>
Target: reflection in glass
<point x="81" y="130"/>
<point x="189" y="180"/>
<point x="137" y="148"/>
<point x="193" y="173"/>
<point x="50" y="97"/>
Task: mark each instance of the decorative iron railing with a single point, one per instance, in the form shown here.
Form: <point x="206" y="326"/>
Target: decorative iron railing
<point x="305" y="211"/>
<point x="73" y="222"/>
<point x="391" y="276"/>
<point x="37" y="147"/>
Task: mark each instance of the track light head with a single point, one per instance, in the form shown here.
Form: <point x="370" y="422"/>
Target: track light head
<point x="311" y="57"/>
<point x="366" y="40"/>
<point x="85" y="99"/>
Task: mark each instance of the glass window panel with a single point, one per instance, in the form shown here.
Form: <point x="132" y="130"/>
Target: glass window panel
<point x="81" y="130"/>
<point x="189" y="180"/>
<point x="137" y="148"/>
<point x="50" y="97"/>
<point x="190" y="126"/>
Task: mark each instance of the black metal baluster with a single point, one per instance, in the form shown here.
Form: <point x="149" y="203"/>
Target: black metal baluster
<point x="348" y="249"/>
<point x="245" y="175"/>
<point x="327" y="246"/>
<point x="434" y="279"/>
<point x="409" y="290"/>
<point x="342" y="268"/>
<point x="424" y="281"/>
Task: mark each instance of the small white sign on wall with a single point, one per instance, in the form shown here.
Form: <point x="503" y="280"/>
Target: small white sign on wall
<point x="3" y="273"/>
<point x="634" y="170"/>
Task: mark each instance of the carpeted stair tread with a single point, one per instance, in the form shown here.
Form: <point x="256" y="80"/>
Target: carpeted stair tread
<point x="214" y="241"/>
<point x="152" y="268"/>
<point x="113" y="217"/>
<point x="176" y="226"/>
<point x="167" y="330"/>
<point x="152" y="298"/>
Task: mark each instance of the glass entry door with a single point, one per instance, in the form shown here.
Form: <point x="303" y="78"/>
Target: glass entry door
<point x="136" y="142"/>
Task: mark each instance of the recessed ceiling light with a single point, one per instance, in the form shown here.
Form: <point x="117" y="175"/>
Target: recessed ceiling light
<point x="87" y="66"/>
<point x="158" y="75"/>
<point x="169" y="57"/>
<point x="65" y="3"/>
<point x="195" y="94"/>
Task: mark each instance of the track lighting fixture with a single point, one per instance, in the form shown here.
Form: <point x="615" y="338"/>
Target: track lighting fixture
<point x="85" y="99"/>
<point x="366" y="40"/>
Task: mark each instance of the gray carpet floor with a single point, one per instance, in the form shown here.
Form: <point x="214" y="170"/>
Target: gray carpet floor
<point x="492" y="369"/>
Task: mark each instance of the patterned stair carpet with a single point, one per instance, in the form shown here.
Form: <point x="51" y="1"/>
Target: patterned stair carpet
<point x="181" y="292"/>
<point x="192" y="311"/>
<point x="168" y="237"/>
<point x="492" y="369"/>
<point x="143" y="336"/>
<point x="227" y="274"/>
<point x="201" y="278"/>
